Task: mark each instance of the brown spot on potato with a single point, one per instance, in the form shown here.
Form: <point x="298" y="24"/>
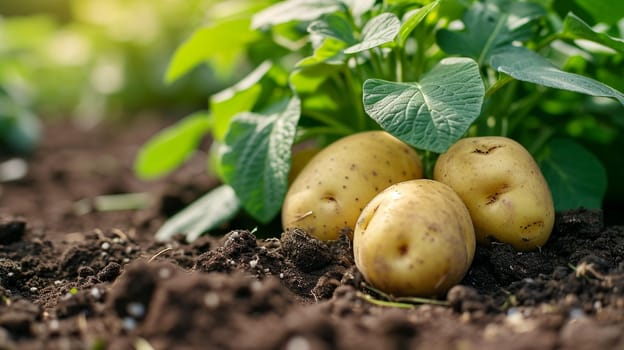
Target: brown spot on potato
<point x="483" y="149"/>
<point x="403" y="249"/>
<point x="493" y="198"/>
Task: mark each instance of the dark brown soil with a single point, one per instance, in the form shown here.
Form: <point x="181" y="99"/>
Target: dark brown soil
<point x="72" y="277"/>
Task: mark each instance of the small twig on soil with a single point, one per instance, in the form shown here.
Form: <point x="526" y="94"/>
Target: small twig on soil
<point x="584" y="269"/>
<point x="158" y="254"/>
<point x="378" y="302"/>
<point x="399" y="301"/>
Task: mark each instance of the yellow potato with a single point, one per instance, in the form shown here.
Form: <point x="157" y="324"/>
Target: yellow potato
<point x="335" y="185"/>
<point x="503" y="188"/>
<point x="415" y="238"/>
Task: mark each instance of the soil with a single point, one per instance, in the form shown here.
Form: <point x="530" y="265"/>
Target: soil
<point x="73" y="276"/>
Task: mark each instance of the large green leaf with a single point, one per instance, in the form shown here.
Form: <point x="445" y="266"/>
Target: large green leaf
<point x="431" y="114"/>
<point x="378" y="31"/>
<point x="294" y="10"/>
<point x="333" y="26"/>
<point x="413" y="19"/>
<point x="526" y="65"/>
<point x="257" y="162"/>
<point x="206" y="213"/>
<point x="238" y="98"/>
<point x="329" y="51"/>
<point x="220" y="44"/>
<point x="489" y="26"/>
<point x="576" y="28"/>
<point x="575" y="176"/>
<point x="606" y="11"/>
<point x="169" y="148"/>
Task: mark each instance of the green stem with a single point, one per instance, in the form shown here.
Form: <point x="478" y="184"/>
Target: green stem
<point x="399" y="63"/>
<point x="498" y="85"/>
<point x="384" y="303"/>
<point x="542" y="137"/>
<point x="309" y="133"/>
<point x="355" y="97"/>
<point x="329" y="121"/>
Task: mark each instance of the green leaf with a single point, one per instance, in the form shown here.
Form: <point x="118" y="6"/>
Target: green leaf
<point x="378" y="31"/>
<point x="359" y="7"/>
<point x="330" y="52"/>
<point x="238" y="98"/>
<point x="413" y="20"/>
<point x="575" y="176"/>
<point x="294" y="10"/>
<point x="308" y="79"/>
<point x="433" y="113"/>
<point x="257" y="162"/>
<point x="526" y="65"/>
<point x="488" y="27"/>
<point x="576" y="28"/>
<point x="333" y="26"/>
<point x="172" y="146"/>
<point x="219" y="44"/>
<point x="606" y="11"/>
<point x="206" y="213"/>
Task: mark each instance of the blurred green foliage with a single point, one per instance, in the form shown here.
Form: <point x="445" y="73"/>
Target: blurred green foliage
<point x="104" y="59"/>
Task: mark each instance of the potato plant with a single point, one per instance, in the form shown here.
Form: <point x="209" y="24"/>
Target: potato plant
<point x="427" y="72"/>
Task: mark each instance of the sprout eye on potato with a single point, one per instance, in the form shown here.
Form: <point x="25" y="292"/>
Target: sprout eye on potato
<point x="415" y="238"/>
<point x="503" y="188"/>
<point x="332" y="189"/>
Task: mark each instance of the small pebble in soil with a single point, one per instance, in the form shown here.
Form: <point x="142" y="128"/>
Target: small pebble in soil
<point x="136" y="310"/>
<point x="298" y="343"/>
<point x="129" y="323"/>
<point x="105" y="246"/>
<point x="211" y="300"/>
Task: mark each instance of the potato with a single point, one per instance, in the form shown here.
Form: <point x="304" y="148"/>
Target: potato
<point x="415" y="238"/>
<point x="503" y="188"/>
<point x="335" y="185"/>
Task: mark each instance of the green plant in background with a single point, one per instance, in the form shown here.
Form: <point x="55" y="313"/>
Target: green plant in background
<point x="428" y="72"/>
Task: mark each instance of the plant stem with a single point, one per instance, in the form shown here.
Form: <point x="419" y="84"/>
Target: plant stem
<point x="399" y="64"/>
<point x="329" y="121"/>
<point x="498" y="85"/>
<point x="384" y="303"/>
<point x="355" y="97"/>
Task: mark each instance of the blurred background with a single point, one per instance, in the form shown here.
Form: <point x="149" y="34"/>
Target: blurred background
<point x="100" y="59"/>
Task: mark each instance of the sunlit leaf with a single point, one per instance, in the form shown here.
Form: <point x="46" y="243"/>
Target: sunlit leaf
<point x="413" y="20"/>
<point x="526" y="65"/>
<point x="257" y="162"/>
<point x="294" y="10"/>
<point x="172" y="146"/>
<point x="238" y="98"/>
<point x="378" y="31"/>
<point x="359" y="7"/>
<point x="220" y="44"/>
<point x="431" y="114"/>
<point x="576" y="28"/>
<point x="333" y="26"/>
<point x="575" y="176"/>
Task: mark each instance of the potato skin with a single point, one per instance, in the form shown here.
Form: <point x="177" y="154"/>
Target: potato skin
<point x="415" y="238"/>
<point x="333" y="188"/>
<point x="502" y="186"/>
